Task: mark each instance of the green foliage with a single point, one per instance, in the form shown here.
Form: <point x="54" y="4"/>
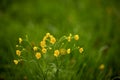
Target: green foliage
<point x="97" y="22"/>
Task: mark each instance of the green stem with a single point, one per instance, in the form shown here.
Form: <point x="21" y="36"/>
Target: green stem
<point x="42" y="72"/>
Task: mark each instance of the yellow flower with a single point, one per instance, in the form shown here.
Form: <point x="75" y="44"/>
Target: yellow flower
<point x="76" y="37"/>
<point x="102" y="66"/>
<point x="44" y="50"/>
<point x="20" y="40"/>
<point x="68" y="51"/>
<point x="69" y="38"/>
<point x="15" y="61"/>
<point x="62" y="51"/>
<point x="56" y="53"/>
<point x="43" y="44"/>
<point x="47" y="34"/>
<point x="44" y="38"/>
<point x="38" y="55"/>
<point x="52" y="40"/>
<point x="35" y="48"/>
<point x="81" y="50"/>
<point x="18" y="52"/>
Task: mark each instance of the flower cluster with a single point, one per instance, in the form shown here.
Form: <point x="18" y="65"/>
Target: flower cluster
<point x="49" y="44"/>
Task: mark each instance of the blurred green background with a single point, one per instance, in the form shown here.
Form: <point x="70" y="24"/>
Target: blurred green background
<point x="96" y="21"/>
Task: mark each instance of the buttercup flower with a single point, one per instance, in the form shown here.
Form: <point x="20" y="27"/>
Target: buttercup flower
<point x="44" y="50"/>
<point x="44" y="38"/>
<point x="38" y="55"/>
<point x="43" y="44"/>
<point x="69" y="37"/>
<point x="47" y="34"/>
<point x="68" y="51"/>
<point x="76" y="37"/>
<point x="81" y="50"/>
<point x="102" y="66"/>
<point x="52" y="39"/>
<point x="35" y="48"/>
<point x="20" y="40"/>
<point x="56" y="53"/>
<point x="15" y="61"/>
<point x="18" y="52"/>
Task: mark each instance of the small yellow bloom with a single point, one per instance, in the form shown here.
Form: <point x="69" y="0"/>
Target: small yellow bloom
<point x="76" y="37"/>
<point x="69" y="38"/>
<point x="56" y="53"/>
<point x="102" y="66"/>
<point x="35" y="48"/>
<point x="44" y="38"/>
<point x="38" y="55"/>
<point x="20" y="40"/>
<point x="47" y="34"/>
<point x="15" y="61"/>
<point x="81" y="50"/>
<point x="18" y="52"/>
<point x="52" y="40"/>
<point x="62" y="51"/>
<point x="43" y="44"/>
<point x="44" y="50"/>
<point x="68" y="51"/>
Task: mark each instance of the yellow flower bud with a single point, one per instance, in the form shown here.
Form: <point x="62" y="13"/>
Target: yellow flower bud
<point x="47" y="34"/>
<point x="35" y="48"/>
<point x="15" y="61"/>
<point x="81" y="50"/>
<point x="102" y="66"/>
<point x="69" y="38"/>
<point x="20" y="40"/>
<point x="68" y="51"/>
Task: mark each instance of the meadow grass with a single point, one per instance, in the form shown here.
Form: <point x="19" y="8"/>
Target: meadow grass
<point x="96" y="22"/>
<point x="97" y="61"/>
